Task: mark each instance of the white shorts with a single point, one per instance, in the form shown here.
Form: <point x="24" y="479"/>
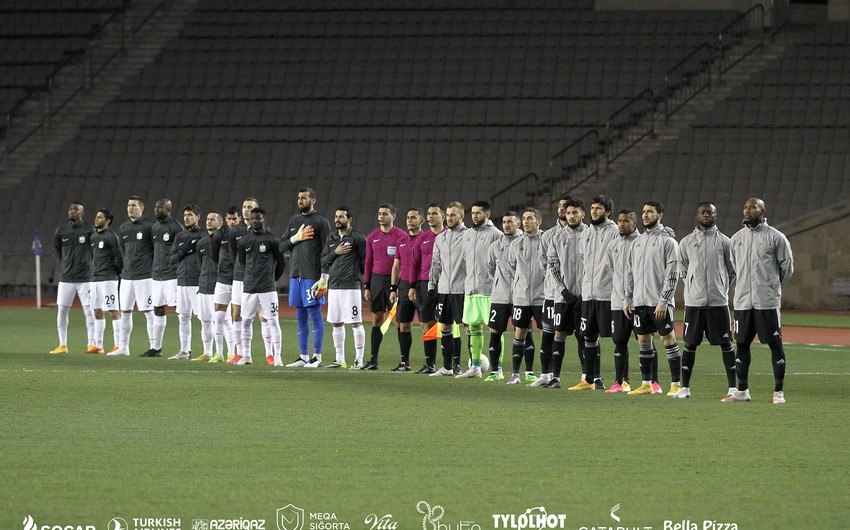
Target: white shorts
<point x="136" y="292"/>
<point x="187" y="299"/>
<point x="268" y="304"/>
<point x="67" y="291"/>
<point x="223" y="293"/>
<point x="344" y="306"/>
<point x="205" y="307"/>
<point x="236" y="292"/>
<point x="104" y="295"/>
<point x="165" y="293"/>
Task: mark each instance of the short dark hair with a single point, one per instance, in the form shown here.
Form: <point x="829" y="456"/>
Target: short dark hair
<point x="455" y="204"/>
<point x="259" y="211"/>
<point x="563" y="197"/>
<point x="706" y="203"/>
<point x="252" y="199"/>
<point x="78" y="203"/>
<point x="345" y="209"/>
<point x="309" y="191"/>
<point x="655" y="204"/>
<point x="436" y="205"/>
<point x="106" y="214"/>
<point x="484" y="205"/>
<point x="388" y="206"/>
<point x="535" y="211"/>
<point x="419" y="211"/>
<point x="231" y="210"/>
<point x="138" y="199"/>
<point x="575" y="202"/>
<point x="510" y="213"/>
<point x="628" y="212"/>
<point x="192" y="207"/>
<point x="605" y="201"/>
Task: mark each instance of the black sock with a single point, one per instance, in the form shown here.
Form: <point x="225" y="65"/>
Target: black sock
<point x="447" y="342"/>
<point x="430" y="348"/>
<point x="580" y="352"/>
<point x="728" y="353"/>
<point x="546" y="343"/>
<point x="529" y="352"/>
<point x="377" y="337"/>
<point x="558" y="347"/>
<point x="517" y="355"/>
<point x="742" y="366"/>
<point x="591" y="359"/>
<point x="688" y="359"/>
<point x="405" y="341"/>
<point x="618" y="362"/>
<point x="495" y="350"/>
<point x="674" y="359"/>
<point x="778" y="358"/>
<point x="646" y="356"/>
<point x="458" y="345"/>
<point x="654" y="364"/>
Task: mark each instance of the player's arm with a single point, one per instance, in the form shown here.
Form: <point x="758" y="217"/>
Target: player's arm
<point x="671" y="276"/>
<point x="629" y="284"/>
<point x="784" y="258"/>
<point x="279" y="261"/>
<point x="240" y="251"/>
<point x="117" y="256"/>
<point x="394" y="277"/>
<point x="727" y="260"/>
<point x="57" y="244"/>
<point x="436" y="268"/>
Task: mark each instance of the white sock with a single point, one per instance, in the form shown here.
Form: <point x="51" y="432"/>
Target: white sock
<point x="275" y="334"/>
<point x="62" y="323"/>
<point x="149" y="323"/>
<point x="229" y="334"/>
<point x="99" y="328"/>
<point x="247" y="335"/>
<point x="88" y="312"/>
<point x="218" y="331"/>
<point x="237" y="336"/>
<point x="207" y="336"/>
<point x="339" y="343"/>
<point x="126" y="330"/>
<point x="359" y="342"/>
<point x="265" y="329"/>
<point x="185" y="330"/>
<point x="117" y="324"/>
<point x="159" y="324"/>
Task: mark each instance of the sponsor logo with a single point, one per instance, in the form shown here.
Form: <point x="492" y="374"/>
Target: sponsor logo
<point x="145" y="523"/>
<point x="229" y="524"/>
<point x="614" y="512"/>
<point x="706" y="524"/>
<point x="117" y="523"/>
<point x="65" y="239"/>
<point x="384" y="522"/>
<point x="30" y="524"/>
<point x="536" y="518"/>
<point x="433" y="515"/>
<point x="290" y="518"/>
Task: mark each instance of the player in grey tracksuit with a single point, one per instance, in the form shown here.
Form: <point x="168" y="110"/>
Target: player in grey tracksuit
<point x="527" y="292"/>
<point x="478" y="283"/>
<point x="564" y="264"/>
<point x="550" y="292"/>
<point x="500" y="295"/>
<point x="705" y="266"/>
<point x="596" y="288"/>
<point x="446" y="284"/>
<point x="621" y="326"/>
<point x="650" y="284"/>
<point x="763" y="262"/>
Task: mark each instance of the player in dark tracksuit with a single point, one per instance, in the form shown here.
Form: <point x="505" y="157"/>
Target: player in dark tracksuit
<point x="206" y="289"/>
<point x="305" y="239"/>
<point x="106" y="265"/>
<point x="185" y="254"/>
<point x="136" y="287"/>
<point x="259" y="252"/>
<point x="164" y="272"/>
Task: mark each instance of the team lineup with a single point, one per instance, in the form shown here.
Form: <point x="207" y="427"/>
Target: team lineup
<point x="591" y="275"/>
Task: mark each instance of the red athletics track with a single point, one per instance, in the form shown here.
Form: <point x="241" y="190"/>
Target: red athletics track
<point x="791" y="334"/>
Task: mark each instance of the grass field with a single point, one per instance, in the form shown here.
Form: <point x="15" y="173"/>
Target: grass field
<point x="88" y="438"/>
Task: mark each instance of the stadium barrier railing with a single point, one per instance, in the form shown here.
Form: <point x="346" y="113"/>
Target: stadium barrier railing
<point x="630" y="124"/>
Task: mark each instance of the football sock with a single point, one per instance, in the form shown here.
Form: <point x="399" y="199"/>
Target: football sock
<point x="458" y="347"/>
<point x="728" y="353"/>
<point x="430" y="348"/>
<point x="237" y="336"/>
<point x="275" y="336"/>
<point x="218" y="331"/>
<point x="149" y="320"/>
<point x="688" y="359"/>
<point x="99" y="328"/>
<point x="359" y="342"/>
<point x="338" y="335"/>
<point x="546" y="346"/>
<point x="247" y="336"/>
<point x="375" y="345"/>
<point x="529" y="352"/>
<point x="405" y="341"/>
<point x="777" y="353"/>
<point x="517" y="354"/>
<point x="447" y="343"/>
<point x="62" y="323"/>
<point x="742" y="366"/>
<point x="185" y="331"/>
<point x="495" y="350"/>
<point x="674" y="359"/>
<point x="126" y="329"/>
<point x="207" y="336"/>
<point x="265" y="330"/>
<point x="591" y="359"/>
<point x="116" y="331"/>
<point x="303" y="332"/>
<point x="654" y="363"/>
<point x="229" y="332"/>
<point x="646" y="355"/>
<point x="159" y="324"/>
<point x="558" y="348"/>
<point x="621" y="355"/>
<point x="476" y="343"/>
<point x="89" y="314"/>
<point x="315" y="313"/>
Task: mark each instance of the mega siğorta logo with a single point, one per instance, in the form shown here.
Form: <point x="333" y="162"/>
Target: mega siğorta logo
<point x="290" y="518"/>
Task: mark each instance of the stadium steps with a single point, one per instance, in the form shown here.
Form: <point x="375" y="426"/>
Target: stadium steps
<point x="142" y="49"/>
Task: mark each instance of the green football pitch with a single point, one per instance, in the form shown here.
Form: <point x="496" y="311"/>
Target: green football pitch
<point x="87" y="438"/>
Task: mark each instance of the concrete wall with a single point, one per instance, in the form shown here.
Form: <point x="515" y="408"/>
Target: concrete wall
<point x="632" y="5"/>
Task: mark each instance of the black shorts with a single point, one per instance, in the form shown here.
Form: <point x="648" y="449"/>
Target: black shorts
<point x="450" y="308"/>
<point x="645" y="322"/>
<point x="379" y="288"/>
<point x="567" y="317"/>
<point x="595" y="318"/>
<point x="427" y="305"/>
<point x="499" y="316"/>
<point x="621" y="326"/>
<point x="709" y="322"/>
<point x="548" y="314"/>
<point x="406" y="307"/>
<point x="765" y="322"/>
<point x="522" y="316"/>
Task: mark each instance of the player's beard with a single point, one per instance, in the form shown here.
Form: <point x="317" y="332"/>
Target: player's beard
<point x="476" y="225"/>
<point x="651" y="226"/>
<point x="598" y="221"/>
<point x="306" y="210"/>
<point x="751" y="221"/>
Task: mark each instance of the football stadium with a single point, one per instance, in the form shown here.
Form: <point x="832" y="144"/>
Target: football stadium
<point x="611" y="233"/>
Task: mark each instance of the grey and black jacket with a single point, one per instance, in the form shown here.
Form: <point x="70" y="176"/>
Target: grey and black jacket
<point x="448" y="270"/>
<point x="705" y="266"/>
<point x="653" y="269"/>
<point x="763" y="263"/>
